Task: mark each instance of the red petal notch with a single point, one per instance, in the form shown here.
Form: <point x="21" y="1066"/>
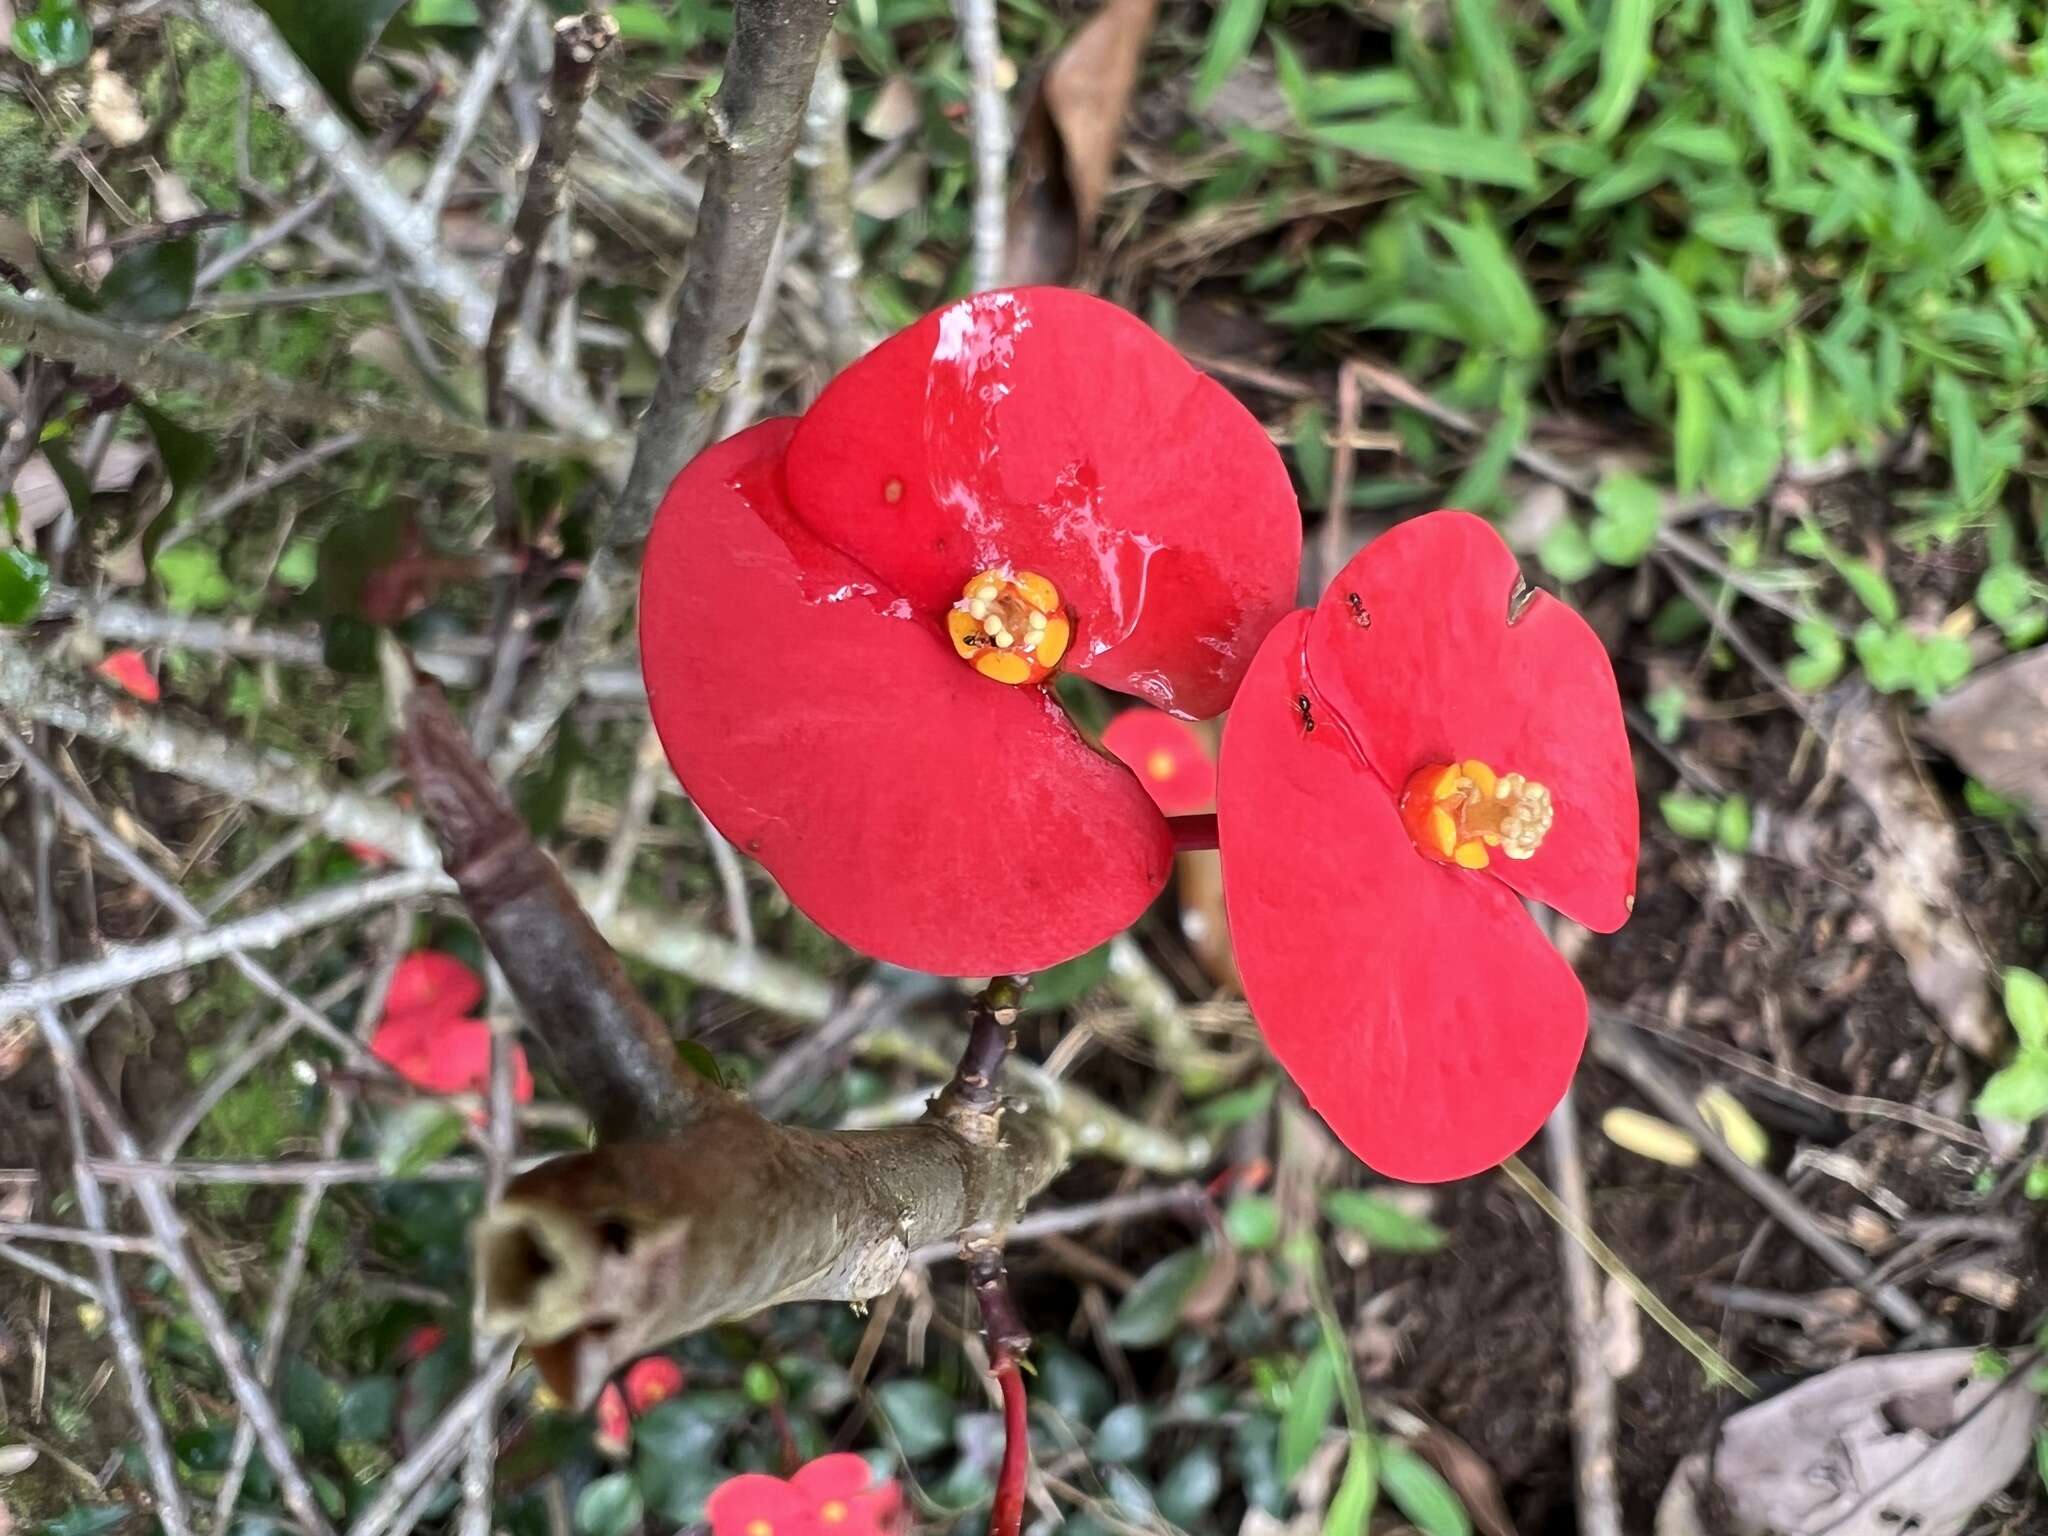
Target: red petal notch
<point x="1419" y="647"/>
<point x="1045" y="430"/>
<point x="914" y="809"/>
<point x="1421" y="1011"/>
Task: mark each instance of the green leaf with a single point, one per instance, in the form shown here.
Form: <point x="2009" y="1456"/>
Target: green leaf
<point x="1666" y="708"/>
<point x="1566" y="553"/>
<point x="1987" y="802"/>
<point x="1150" y="1312"/>
<point x="920" y="1414"/>
<point x="368" y="1409"/>
<point x="24" y="582"/>
<point x="1955" y="412"/>
<point x="1423" y="1496"/>
<point x="1630" y="513"/>
<point x="1429" y="149"/>
<point x="1732" y="828"/>
<point x="1513" y="319"/>
<point x="1382" y="1223"/>
<point x="1190" y="1487"/>
<point x="1942" y="662"/>
<point x="1068" y="982"/>
<point x="187" y="457"/>
<point x="1237" y="1106"/>
<point x="700" y="1061"/>
<point x="414" y="1136"/>
<point x="1624" y="64"/>
<point x="1252" y="1222"/>
<point x="192" y="578"/>
<point x="2036" y="1187"/>
<point x="152" y="283"/>
<point x="331" y="37"/>
<point x="2026" y="1005"/>
<point x="1889" y="657"/>
<point x="1231" y="36"/>
<point x="1689" y="815"/>
<point x="1350" y="1512"/>
<point x="1871" y="588"/>
<point x="610" y="1506"/>
<point x="86" y="1520"/>
<point x="1124" y="1433"/>
<point x="2018" y="1092"/>
<point x="55" y="35"/>
<point x="1821" y="658"/>
<point x="1486" y="42"/>
<point x="1311" y="1404"/>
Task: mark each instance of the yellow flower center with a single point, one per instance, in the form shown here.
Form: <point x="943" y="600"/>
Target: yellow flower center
<point x="1009" y="625"/>
<point x="832" y="1511"/>
<point x="1455" y="812"/>
<point x="760" y="1528"/>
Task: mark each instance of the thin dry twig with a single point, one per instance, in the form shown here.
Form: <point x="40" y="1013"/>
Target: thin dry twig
<point x="1593" y="1401"/>
<point x="828" y="185"/>
<point x="753" y="122"/>
<point x="988" y="121"/>
<point x="471" y="103"/>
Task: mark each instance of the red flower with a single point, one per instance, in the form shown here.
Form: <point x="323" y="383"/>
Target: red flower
<point x="847" y="621"/>
<point x="425" y="1037"/>
<point x="653" y="1380"/>
<point x="128" y="671"/>
<point x="1169" y="757"/>
<point x="649" y="1381"/>
<point x="831" y="1496"/>
<point x="1405" y="763"/>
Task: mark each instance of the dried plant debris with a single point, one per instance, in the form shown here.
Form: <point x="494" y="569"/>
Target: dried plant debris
<point x="1896" y="1443"/>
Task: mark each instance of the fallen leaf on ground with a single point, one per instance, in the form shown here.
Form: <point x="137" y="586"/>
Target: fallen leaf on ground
<point x="1996" y="726"/>
<point x="1072" y="132"/>
<point x="1913" y="1442"/>
<point x="114" y="107"/>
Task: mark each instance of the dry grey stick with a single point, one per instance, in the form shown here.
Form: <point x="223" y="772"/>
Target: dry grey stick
<point x="152" y="363"/>
<point x="55" y="1274"/>
<point x="261" y="484"/>
<point x="92" y="1205"/>
<point x="169" y="1229"/>
<point x="125" y="964"/>
<point x="1593" y="1411"/>
<point x="408" y="229"/>
<point x="1614" y="1045"/>
<point x="988" y="118"/>
<point x="298" y="1247"/>
<point x="753" y="122"/>
<point x="340" y="1171"/>
<point x="266" y="779"/>
<point x="471" y="104"/>
<point x="743" y="400"/>
<point x="138" y="869"/>
<point x="437" y="1447"/>
<point x="83" y="1237"/>
<point x="828" y="184"/>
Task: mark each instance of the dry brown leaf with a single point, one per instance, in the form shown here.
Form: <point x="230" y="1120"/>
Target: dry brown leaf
<point x="113" y="106"/>
<point x="893" y="193"/>
<point x="1072" y="132"/>
<point x="1471" y="1479"/>
<point x="1996" y="726"/>
<point x="894" y="112"/>
<point x="1916" y="879"/>
<point x="1895" y="1443"/>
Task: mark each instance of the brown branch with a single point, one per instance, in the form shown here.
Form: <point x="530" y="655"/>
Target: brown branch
<point x="753" y="123"/>
<point x="580" y="43"/>
<point x="611" y="1048"/>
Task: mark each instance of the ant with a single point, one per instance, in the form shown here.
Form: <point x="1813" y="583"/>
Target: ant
<point x="1301" y="705"/>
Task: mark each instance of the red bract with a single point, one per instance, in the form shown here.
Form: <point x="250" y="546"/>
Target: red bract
<point x="1404" y="764"/>
<point x="425" y="1037"/>
<point x="847" y="622"/>
<point x="613" y="1436"/>
<point x="833" y="1496"/>
<point x="1169" y="757"/>
<point x="653" y="1380"/>
<point x="129" y="671"/>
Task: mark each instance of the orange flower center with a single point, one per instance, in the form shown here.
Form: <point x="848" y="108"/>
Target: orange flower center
<point x="760" y="1528"/>
<point x="1009" y="625"/>
<point x="832" y="1511"/>
<point x="1457" y="811"/>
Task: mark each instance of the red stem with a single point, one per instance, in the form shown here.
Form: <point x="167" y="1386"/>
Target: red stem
<point x="1007" y="1515"/>
<point x="1192" y="834"/>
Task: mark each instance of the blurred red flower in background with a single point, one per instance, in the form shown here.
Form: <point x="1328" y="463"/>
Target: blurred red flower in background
<point x="129" y="671"/>
<point x="654" y="1379"/>
<point x="1169" y="757"/>
<point x="849" y="621"/>
<point x="1430" y="744"/>
<point x="835" y="1495"/>
<point x="426" y="1036"/>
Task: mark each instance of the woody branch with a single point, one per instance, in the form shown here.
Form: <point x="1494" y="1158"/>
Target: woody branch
<point x="694" y="1208"/>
